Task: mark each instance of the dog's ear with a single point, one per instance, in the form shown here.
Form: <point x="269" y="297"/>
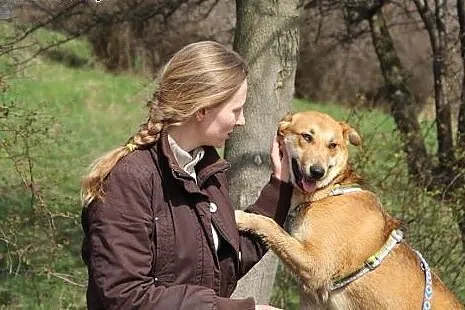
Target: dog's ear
<point x="284" y="123"/>
<point x="350" y="134"/>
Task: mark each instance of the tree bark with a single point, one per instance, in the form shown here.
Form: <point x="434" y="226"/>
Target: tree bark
<point x="435" y="24"/>
<point x="267" y="37"/>
<point x="461" y="121"/>
<point x="400" y="95"/>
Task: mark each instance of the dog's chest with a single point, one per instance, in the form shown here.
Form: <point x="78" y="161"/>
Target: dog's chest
<point x="296" y="224"/>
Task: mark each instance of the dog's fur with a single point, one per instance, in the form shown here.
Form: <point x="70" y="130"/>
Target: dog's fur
<point x="332" y="236"/>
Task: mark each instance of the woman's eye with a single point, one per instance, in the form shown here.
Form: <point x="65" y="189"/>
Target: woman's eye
<point x="332" y="145"/>
<point x="307" y="137"/>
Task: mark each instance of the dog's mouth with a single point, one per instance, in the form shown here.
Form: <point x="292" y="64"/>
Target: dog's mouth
<point x="304" y="183"/>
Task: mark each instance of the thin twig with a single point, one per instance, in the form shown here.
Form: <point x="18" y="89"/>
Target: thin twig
<point x="66" y="278"/>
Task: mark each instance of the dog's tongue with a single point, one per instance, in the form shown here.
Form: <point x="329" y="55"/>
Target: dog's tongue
<point x="308" y="186"/>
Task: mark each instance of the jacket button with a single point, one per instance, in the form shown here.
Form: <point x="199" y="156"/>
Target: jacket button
<point x="156" y="279"/>
<point x="213" y="207"/>
<point x="156" y="218"/>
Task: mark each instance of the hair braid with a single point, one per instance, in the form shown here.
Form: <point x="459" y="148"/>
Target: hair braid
<point x="148" y="134"/>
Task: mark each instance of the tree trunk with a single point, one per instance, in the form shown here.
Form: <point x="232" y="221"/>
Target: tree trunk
<point x="400" y="95"/>
<point x="435" y="24"/>
<point x="461" y="121"/>
<point x="267" y="37"/>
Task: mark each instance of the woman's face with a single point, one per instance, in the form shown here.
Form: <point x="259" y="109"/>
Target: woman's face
<point x="218" y="123"/>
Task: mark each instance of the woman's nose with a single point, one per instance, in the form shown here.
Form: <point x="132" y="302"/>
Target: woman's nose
<point x="240" y="120"/>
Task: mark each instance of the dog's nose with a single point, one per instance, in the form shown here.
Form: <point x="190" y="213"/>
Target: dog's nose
<point x="317" y="172"/>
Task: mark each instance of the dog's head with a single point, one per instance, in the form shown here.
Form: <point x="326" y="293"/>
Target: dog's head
<point x="318" y="148"/>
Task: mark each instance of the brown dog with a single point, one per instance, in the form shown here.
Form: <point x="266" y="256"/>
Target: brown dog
<point x="346" y="250"/>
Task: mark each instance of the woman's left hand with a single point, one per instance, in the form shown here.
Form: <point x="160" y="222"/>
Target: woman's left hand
<point x="279" y="159"/>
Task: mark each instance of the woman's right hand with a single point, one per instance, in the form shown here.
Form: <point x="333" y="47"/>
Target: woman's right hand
<point x="265" y="307"/>
<point x="279" y="159"/>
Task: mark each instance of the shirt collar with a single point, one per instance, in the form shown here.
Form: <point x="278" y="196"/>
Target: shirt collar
<point x="186" y="160"/>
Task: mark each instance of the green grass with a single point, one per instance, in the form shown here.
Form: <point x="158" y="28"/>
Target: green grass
<point x="82" y="113"/>
<point x="64" y="117"/>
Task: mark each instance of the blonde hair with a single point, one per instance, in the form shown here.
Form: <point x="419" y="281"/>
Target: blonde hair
<point x="201" y="75"/>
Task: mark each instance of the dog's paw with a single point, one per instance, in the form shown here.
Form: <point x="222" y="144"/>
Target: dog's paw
<point x="243" y="220"/>
<point x="247" y="221"/>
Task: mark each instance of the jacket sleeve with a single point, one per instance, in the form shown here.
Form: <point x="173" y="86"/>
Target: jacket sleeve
<point x="274" y="201"/>
<point x="120" y="232"/>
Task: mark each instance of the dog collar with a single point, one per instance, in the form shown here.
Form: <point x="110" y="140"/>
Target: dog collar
<point x="341" y="189"/>
<point x="334" y="190"/>
<point x="371" y="263"/>
<point x="428" y="292"/>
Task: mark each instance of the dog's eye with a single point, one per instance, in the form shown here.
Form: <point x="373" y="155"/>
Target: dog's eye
<point x="332" y="145"/>
<point x="307" y="137"/>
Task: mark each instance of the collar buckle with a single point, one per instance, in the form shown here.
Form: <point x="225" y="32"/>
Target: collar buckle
<point x="372" y="263"/>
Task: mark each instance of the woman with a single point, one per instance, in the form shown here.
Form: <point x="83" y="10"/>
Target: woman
<point x="159" y="225"/>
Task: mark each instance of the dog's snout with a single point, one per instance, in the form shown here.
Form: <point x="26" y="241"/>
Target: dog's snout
<point x="317" y="172"/>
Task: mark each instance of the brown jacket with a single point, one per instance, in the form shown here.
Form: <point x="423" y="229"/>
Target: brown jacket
<point x="148" y="244"/>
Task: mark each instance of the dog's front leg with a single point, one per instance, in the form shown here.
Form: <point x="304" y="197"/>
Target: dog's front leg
<point x="297" y="255"/>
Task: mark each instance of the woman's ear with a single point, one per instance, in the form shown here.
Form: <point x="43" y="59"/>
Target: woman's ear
<point x="200" y="114"/>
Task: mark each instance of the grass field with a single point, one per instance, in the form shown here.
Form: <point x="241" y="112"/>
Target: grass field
<point x="59" y="119"/>
<point x="56" y="119"/>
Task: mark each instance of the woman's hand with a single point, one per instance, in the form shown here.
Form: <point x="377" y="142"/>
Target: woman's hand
<point x="279" y="159"/>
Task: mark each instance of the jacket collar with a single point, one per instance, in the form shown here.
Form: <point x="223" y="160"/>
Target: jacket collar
<point x="210" y="164"/>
